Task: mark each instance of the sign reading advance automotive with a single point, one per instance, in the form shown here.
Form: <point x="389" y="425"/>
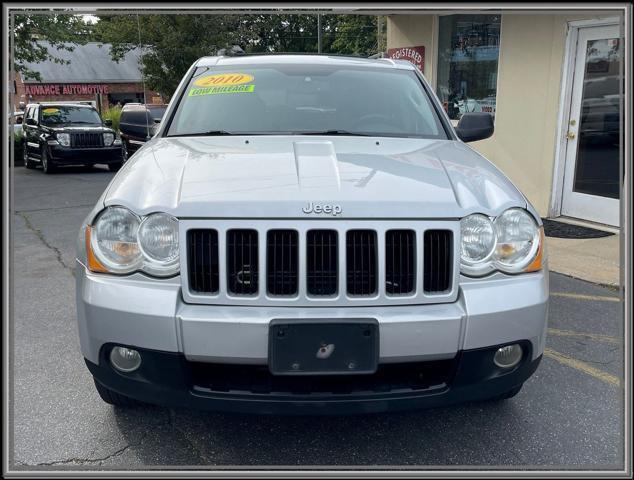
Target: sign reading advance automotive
<point x="416" y="55"/>
<point x="66" y="89"/>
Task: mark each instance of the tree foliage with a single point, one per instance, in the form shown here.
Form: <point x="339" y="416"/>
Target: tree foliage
<point x="61" y="31"/>
<point x="172" y="42"/>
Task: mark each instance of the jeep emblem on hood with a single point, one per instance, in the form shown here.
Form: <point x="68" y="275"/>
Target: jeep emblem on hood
<point x="333" y="210"/>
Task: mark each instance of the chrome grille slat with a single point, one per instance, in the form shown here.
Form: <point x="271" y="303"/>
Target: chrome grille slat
<point x="313" y="263"/>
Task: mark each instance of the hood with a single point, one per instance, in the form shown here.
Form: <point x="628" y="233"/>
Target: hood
<point x="310" y="177"/>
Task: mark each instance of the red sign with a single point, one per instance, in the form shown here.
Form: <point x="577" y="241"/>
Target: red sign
<point x="415" y="55"/>
<point x="65" y="89"/>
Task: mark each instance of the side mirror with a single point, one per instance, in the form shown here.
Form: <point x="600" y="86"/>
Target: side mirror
<point x="19" y="120"/>
<point x="475" y="126"/>
<point x="107" y="122"/>
<point x="31" y="121"/>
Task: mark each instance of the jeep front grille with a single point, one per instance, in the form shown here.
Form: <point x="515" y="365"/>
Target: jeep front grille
<point x="202" y="257"/>
<point x="319" y="262"/>
<point x="242" y="261"/>
<point x="438" y="245"/>
<point x="400" y="262"/>
<point x="361" y="262"/>
<point x="86" y="140"/>
<point x="281" y="262"/>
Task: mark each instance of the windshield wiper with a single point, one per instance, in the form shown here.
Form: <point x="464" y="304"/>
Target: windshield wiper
<point x="204" y="134"/>
<point x="336" y="132"/>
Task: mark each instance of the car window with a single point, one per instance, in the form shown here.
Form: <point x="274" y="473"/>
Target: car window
<point x="140" y="116"/>
<point x="65" y="115"/>
<point x="156" y="113"/>
<point x="290" y="99"/>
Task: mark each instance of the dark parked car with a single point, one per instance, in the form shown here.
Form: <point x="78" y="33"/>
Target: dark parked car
<point x="138" y="123"/>
<point x="68" y="134"/>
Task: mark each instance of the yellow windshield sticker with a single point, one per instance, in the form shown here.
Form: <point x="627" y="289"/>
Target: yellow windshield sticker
<point x="223" y="79"/>
<point x="197" y="92"/>
<point x="50" y="111"/>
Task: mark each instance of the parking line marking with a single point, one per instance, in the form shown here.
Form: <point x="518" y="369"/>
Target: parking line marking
<point x="579" y="296"/>
<point x="582" y="367"/>
<point x="594" y="336"/>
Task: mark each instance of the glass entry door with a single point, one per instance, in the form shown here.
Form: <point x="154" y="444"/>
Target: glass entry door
<point x="592" y="177"/>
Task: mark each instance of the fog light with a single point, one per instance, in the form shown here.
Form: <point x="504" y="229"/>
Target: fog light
<point x="509" y="356"/>
<point x="125" y="359"/>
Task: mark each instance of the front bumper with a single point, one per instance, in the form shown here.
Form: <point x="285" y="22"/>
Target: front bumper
<point x="70" y="156"/>
<point x="168" y="379"/>
<point x="151" y="315"/>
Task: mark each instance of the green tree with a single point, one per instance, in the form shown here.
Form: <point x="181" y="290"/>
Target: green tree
<point x="172" y="42"/>
<point x="356" y="35"/>
<point x="60" y="31"/>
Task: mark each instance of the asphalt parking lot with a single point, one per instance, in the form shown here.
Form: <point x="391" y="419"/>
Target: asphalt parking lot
<point x="569" y="414"/>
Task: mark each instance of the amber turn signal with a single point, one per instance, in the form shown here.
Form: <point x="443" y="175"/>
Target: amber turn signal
<point x="94" y="265"/>
<point x="537" y="263"/>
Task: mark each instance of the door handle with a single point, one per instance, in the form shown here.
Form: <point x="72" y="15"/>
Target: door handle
<point x="570" y="135"/>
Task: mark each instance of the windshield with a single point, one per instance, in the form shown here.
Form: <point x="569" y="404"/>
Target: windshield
<point x="306" y="99"/>
<point x="63" y="115"/>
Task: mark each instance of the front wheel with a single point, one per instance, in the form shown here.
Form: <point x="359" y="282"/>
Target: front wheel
<point x="124" y="152"/>
<point x="114" y="398"/>
<point x="47" y="164"/>
<point x="114" y="167"/>
<point x="28" y="163"/>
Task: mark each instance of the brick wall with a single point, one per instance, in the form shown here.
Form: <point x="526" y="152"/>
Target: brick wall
<point x="113" y="88"/>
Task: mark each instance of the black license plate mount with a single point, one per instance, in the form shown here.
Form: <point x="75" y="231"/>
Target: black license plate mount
<point x="323" y="346"/>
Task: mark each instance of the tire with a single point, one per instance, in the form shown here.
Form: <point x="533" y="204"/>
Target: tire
<point x="113" y="398"/>
<point x="124" y="152"/>
<point x="47" y="165"/>
<point x="114" y="167"/>
<point x="28" y="163"/>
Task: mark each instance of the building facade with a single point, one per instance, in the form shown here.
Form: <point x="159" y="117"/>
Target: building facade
<point x="90" y="75"/>
<point x="552" y="81"/>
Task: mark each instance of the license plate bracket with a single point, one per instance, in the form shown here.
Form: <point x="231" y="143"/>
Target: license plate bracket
<point x="323" y="346"/>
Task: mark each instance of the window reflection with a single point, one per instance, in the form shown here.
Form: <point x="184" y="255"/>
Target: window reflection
<point x="468" y="52"/>
<point x="597" y="166"/>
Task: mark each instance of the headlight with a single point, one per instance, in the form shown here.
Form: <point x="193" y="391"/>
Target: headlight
<point x="63" y="139"/>
<point x="121" y="242"/>
<point x="114" y="240"/>
<point x="513" y="243"/>
<point x="158" y="239"/>
<point x="108" y="139"/>
<point x="477" y="244"/>
<point x="518" y="239"/>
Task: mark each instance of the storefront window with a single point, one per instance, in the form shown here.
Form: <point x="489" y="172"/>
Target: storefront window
<point x="468" y="51"/>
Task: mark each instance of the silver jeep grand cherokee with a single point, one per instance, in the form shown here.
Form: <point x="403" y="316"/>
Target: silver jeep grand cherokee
<point x="310" y="234"/>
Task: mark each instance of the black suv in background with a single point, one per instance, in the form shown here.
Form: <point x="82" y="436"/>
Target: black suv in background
<point x="68" y="134"/>
<point x="138" y="123"/>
